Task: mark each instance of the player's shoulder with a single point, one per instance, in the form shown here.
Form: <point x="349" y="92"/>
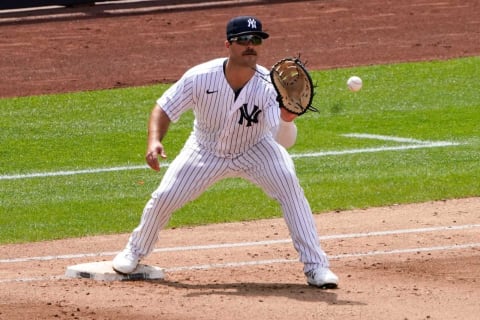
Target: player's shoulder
<point x="208" y="67"/>
<point x="263" y="70"/>
<point x="262" y="74"/>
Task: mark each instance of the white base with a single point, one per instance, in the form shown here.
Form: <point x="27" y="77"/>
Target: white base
<point x="103" y="271"/>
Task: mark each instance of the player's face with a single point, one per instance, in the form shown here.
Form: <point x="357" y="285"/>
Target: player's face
<point x="244" y="50"/>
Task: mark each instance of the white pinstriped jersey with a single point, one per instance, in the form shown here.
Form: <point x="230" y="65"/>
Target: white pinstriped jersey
<point x="231" y="138"/>
<point x="224" y="124"/>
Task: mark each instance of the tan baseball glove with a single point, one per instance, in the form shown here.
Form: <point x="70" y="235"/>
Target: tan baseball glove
<point x="293" y="84"/>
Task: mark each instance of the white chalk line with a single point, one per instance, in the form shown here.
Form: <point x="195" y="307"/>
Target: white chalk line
<point x="389" y="138"/>
<point x="371" y="150"/>
<point x="414" y="144"/>
<point x="276" y="261"/>
<point x="247" y="244"/>
<point x="332" y="257"/>
<point x="72" y="172"/>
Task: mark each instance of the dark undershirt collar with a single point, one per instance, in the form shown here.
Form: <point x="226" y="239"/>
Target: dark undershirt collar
<point x="236" y="92"/>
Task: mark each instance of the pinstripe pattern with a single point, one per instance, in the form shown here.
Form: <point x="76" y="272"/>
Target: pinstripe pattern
<point x="231" y="138"/>
<point x="216" y="114"/>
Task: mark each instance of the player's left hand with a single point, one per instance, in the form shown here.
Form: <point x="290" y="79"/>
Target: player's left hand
<point x="286" y="115"/>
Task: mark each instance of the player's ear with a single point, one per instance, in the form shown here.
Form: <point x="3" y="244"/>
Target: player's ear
<point x="227" y="44"/>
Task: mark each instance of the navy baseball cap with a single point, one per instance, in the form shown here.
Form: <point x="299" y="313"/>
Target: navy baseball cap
<point x="245" y="25"/>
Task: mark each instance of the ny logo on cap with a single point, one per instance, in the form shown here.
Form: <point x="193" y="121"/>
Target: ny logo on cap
<point x="252" y="23"/>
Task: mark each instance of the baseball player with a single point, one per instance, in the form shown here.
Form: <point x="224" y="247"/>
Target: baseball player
<point x="239" y="131"/>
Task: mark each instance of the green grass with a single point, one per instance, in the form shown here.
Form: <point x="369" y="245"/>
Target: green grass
<point x="432" y="101"/>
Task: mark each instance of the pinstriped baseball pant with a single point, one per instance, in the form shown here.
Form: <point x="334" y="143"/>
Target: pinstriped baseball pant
<point x="266" y="164"/>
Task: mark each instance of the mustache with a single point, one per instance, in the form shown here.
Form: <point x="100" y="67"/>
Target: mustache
<point x="249" y="52"/>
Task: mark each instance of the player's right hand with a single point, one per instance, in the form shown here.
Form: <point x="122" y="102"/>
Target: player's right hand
<point x="155" y="150"/>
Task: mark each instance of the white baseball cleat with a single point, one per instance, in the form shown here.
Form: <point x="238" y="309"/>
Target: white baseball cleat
<point x="323" y="278"/>
<point x="125" y="262"/>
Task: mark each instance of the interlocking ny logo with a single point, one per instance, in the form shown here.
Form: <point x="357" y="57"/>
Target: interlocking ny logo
<point x="252" y="23"/>
<point x="250" y="117"/>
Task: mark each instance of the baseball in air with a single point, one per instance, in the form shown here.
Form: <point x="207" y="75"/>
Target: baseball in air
<point x="354" y="83"/>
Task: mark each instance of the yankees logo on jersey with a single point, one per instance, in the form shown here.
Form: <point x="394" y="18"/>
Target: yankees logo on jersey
<point x="249" y="117"/>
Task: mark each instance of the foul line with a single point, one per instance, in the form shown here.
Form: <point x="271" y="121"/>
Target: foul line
<point x="71" y="173"/>
<point x="249" y="244"/>
<point x="333" y="257"/>
<point x="275" y="261"/>
<point x="413" y="144"/>
<point x="389" y="138"/>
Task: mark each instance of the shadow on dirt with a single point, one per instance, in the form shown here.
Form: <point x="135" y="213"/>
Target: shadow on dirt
<point x="251" y="289"/>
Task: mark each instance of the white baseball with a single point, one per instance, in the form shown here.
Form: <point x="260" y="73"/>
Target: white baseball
<point x="354" y="83"/>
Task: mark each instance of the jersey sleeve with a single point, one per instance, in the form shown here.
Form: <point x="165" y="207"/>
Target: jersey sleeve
<point x="177" y="99"/>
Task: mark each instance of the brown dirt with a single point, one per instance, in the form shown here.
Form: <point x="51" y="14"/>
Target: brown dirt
<point x="94" y="48"/>
<point x="432" y="275"/>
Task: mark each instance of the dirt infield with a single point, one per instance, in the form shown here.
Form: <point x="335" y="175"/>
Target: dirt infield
<point x="418" y="261"/>
<point x="92" y="48"/>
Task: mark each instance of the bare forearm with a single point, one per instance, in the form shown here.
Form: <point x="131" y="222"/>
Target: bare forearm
<point x="157" y="129"/>
<point x="157" y="125"/>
